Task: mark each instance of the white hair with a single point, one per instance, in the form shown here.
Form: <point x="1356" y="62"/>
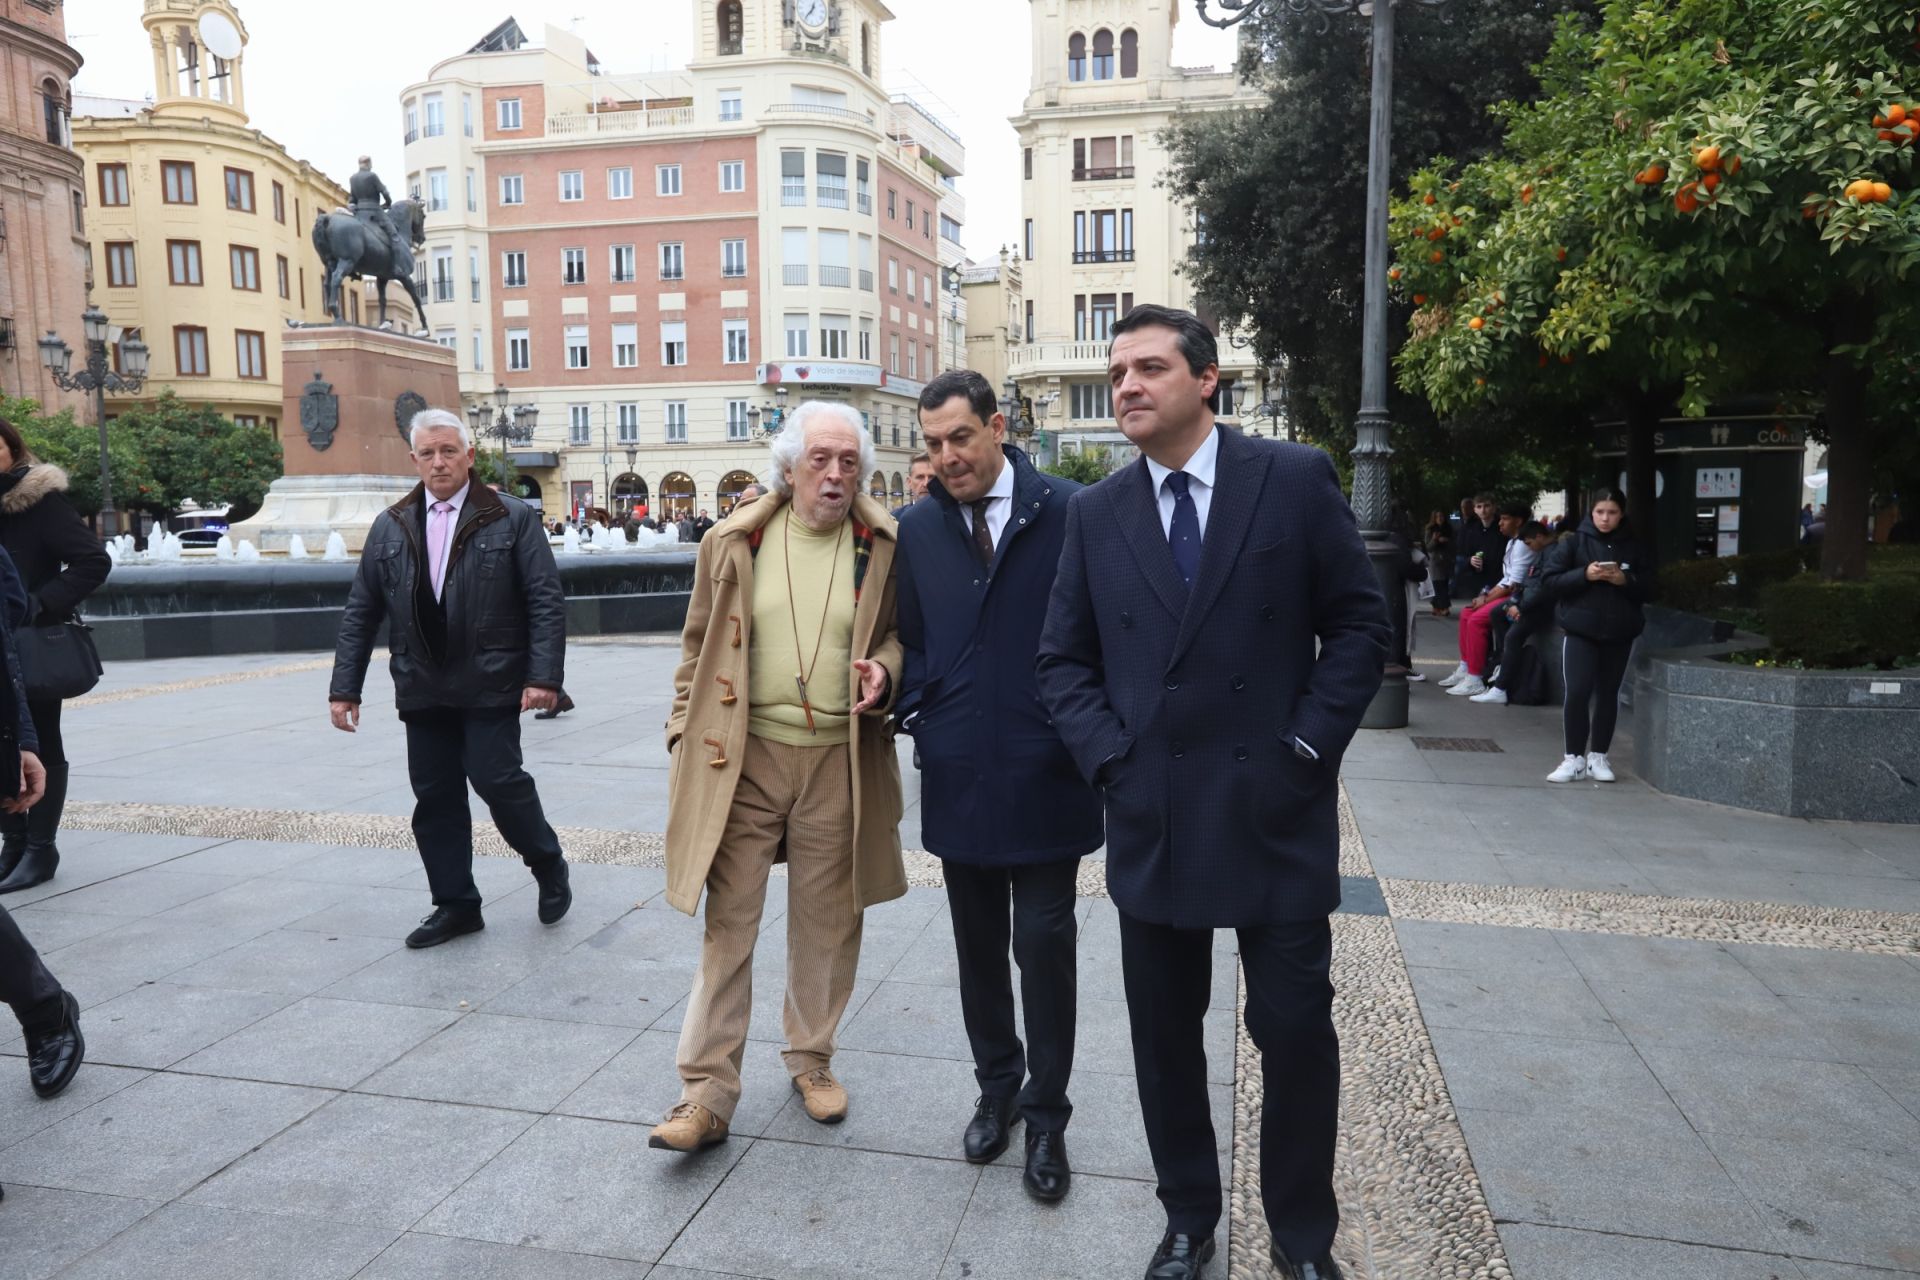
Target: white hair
<point x="791" y="442"/>
<point x="437" y="420"/>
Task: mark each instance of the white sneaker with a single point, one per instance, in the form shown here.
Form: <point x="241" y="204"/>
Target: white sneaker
<point x="1494" y="694"/>
<point x="1468" y="687"/>
<point x="1416" y="677"/>
<point x="1572" y="769"/>
<point x="1598" y="767"/>
<point x="1459" y="674"/>
<point x="1495" y="677"/>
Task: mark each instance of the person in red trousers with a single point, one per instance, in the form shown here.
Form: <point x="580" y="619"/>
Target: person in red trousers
<point x="1476" y="620"/>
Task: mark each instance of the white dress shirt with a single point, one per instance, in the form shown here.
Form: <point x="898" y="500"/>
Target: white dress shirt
<point x="1200" y="471"/>
<point x="1516" y="563"/>
<point x="999" y="503"/>
<point x="457" y="501"/>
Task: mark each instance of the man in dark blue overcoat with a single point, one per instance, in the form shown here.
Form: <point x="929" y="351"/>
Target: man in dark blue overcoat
<point x="1002" y="802"/>
<point x="1214" y="637"/>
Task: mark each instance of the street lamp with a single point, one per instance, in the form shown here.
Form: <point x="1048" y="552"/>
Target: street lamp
<point x="98" y="378"/>
<point x="513" y="426"/>
<point x="1019" y="423"/>
<point x="1372" y="450"/>
<point x="774" y="415"/>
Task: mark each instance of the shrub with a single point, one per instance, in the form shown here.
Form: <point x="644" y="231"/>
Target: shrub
<point x="1712" y="586"/>
<point x="1844" y="624"/>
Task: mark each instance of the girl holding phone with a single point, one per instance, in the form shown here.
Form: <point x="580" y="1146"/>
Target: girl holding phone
<point x="1598" y="581"/>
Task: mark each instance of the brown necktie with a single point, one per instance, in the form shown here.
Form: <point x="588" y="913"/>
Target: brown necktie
<point x="982" y="536"/>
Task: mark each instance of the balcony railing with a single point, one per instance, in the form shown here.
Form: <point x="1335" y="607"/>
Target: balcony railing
<point x="586" y="123"/>
<point x="1065" y="356"/>
<point x="836" y="277"/>
<point x="672" y="273"/>
<point x="413" y="135"/>
<point x="443" y="289"/>
<point x="864" y="202"/>
<point x="818" y="111"/>
<point x="793" y="192"/>
<point x="794" y="273"/>
<point x="1081" y="256"/>
<point x="866" y="281"/>
<point x="1106" y="174"/>
<point x="732" y="272"/>
<point x="832" y="197"/>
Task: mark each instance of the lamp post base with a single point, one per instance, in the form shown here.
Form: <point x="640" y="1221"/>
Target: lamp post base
<point x="1388" y="710"/>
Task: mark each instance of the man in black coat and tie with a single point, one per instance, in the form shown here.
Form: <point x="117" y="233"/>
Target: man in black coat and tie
<point x="1214" y="637"/>
<point x="1002" y="803"/>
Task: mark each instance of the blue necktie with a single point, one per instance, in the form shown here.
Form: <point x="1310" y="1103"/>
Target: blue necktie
<point x="1183" y="535"/>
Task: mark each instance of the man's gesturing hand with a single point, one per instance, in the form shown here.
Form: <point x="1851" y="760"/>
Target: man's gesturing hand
<point x="537" y="699"/>
<point x="873" y="684"/>
<point x="345" y="715"/>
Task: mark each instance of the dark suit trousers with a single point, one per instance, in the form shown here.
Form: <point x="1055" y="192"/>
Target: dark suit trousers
<point x="1169" y="977"/>
<point x="25" y="985"/>
<point x="1043" y="937"/>
<point x="448" y="747"/>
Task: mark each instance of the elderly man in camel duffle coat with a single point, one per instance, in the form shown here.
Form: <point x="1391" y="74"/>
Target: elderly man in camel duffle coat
<point x="781" y="747"/>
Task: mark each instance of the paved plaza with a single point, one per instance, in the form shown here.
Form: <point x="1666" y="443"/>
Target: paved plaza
<point x="1590" y="1032"/>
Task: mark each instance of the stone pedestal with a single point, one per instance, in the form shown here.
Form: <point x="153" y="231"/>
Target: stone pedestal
<point x="339" y="481"/>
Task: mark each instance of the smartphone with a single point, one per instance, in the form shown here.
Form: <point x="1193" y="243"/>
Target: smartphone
<point x="1608" y="564"/>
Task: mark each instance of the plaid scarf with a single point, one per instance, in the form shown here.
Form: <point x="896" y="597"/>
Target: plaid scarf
<point x="862" y="551"/>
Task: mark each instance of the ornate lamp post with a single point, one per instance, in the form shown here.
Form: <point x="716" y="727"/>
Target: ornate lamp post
<point x="513" y="426"/>
<point x="1020" y="425"/>
<point x="773" y="416"/>
<point x="1372" y="452"/>
<point x="99" y="378"/>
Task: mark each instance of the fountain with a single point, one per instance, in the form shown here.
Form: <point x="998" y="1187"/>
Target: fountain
<point x="296" y="548"/>
<point x="570" y="542"/>
<point x="605" y="539"/>
<point x="223" y="549"/>
<point x="162" y="546"/>
<point x="336" y="548"/>
<point x="247" y="553"/>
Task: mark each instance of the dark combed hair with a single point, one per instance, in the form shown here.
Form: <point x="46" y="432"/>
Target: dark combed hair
<point x="10" y="434"/>
<point x="969" y="385"/>
<point x="919" y="458"/>
<point x="1612" y="495"/>
<point x="1532" y="529"/>
<point x="1197" y="342"/>
<point x="1517" y="511"/>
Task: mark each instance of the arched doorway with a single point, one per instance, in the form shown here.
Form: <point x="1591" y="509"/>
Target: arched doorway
<point x="731" y="486"/>
<point x="629" y="496"/>
<point x="527" y="489"/>
<point x="877" y="487"/>
<point x="676" y="496"/>
<point x="899" y="489"/>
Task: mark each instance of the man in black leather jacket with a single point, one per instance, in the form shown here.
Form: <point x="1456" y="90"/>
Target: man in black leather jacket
<point x="476" y="625"/>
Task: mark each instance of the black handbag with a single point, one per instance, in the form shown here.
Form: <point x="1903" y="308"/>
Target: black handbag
<point x="58" y="661"/>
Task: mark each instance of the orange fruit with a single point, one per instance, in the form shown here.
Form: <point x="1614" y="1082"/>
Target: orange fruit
<point x="1879" y="122"/>
<point x="1436" y="256"/>
<point x="1882" y="193"/>
<point x="1526" y="194"/>
<point x="1429" y="198"/>
<point x="1860" y="189"/>
<point x="1710" y="183"/>
<point x="1733" y="166"/>
<point x="1888" y="135"/>
<point x="1707" y="159"/>
<point x="1652" y="175"/>
<point x="1479" y="382"/>
<point x="1476" y="324"/>
<point x="1560" y="255"/>
<point x="1393" y="273"/>
<point x="1438" y="233"/>
<point x="1896" y="113"/>
<point x="1685" y="199"/>
<point x="1419" y="299"/>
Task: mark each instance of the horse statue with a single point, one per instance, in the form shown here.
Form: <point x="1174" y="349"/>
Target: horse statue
<point x="351" y="248"/>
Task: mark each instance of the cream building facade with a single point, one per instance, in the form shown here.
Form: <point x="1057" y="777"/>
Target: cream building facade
<point x="199" y="222"/>
<point x="1098" y="235"/>
<point x="659" y="263"/>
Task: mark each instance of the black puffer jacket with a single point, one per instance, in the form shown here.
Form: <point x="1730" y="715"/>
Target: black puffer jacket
<point x="506" y="616"/>
<point x="58" y="557"/>
<point x="1597" y="611"/>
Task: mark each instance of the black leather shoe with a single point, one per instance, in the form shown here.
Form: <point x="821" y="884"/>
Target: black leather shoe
<point x="565" y="704"/>
<point x="1048" y="1173"/>
<point x="556" y="893"/>
<point x="1180" y="1257"/>
<point x="36" y="866"/>
<point x="1287" y="1269"/>
<point x="990" y="1129"/>
<point x="54" y="1056"/>
<point x="445" y="923"/>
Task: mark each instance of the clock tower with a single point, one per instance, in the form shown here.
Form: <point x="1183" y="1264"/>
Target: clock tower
<point x="845" y="31"/>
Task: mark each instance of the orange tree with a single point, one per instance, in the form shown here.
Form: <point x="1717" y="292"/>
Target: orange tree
<point x="1710" y="197"/>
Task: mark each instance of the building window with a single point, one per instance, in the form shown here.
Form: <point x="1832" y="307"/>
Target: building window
<point x="573" y="266"/>
<point x="245" y="265"/>
<point x="666" y="179"/>
<point x="727" y="27"/>
<point x="893" y="203"/>
<point x="437" y="199"/>
<point x="513" y="269"/>
<point x="1103" y="54"/>
<point x="796" y="324"/>
<point x="793" y="256"/>
<point x="509" y="113"/>
<point x="733" y="258"/>
<point x="1092" y="401"/>
<point x="737" y="428"/>
<point x="1029" y="330"/>
<point x="183" y="262"/>
<point x="113" y="184"/>
<point x="1076" y="57"/>
<point x="733" y="175"/>
<point x="436" y="122"/>
<point x="620" y="183"/>
<point x="866" y="338"/>
<point x="1026" y="163"/>
<point x="1029" y="241"/>
<point x="279" y="204"/>
<point x="733" y="334"/>
<point x="627" y="423"/>
<point x="513" y="189"/>
<point x="835" y="271"/>
<point x="443" y="275"/>
<point x="893" y="353"/>
<point x="949" y="229"/>
<point x="579" y="424"/>
<point x="835" y="341"/>
<point x="1129" y="54"/>
<point x="862" y="186"/>
<point x="190" y="351"/>
<point x="1103" y="235"/>
<point x="576" y="345"/>
<point x="626" y="346"/>
<point x="54" y="108"/>
<point x="479" y="351"/>
<point x="866" y="264"/>
<point x="176" y="182"/>
<point x="1102" y="159"/>
<point x="793" y="178"/>
<point x="573" y="185"/>
<point x="831" y="172"/>
<point x="673" y="343"/>
<point x="676" y="421"/>
<point x="913" y="371"/>
<point x="1093" y="316"/>
<point x="284" y="275"/>
<point x="909" y="215"/>
<point x="239" y="190"/>
<point x="410" y="113"/>
<point x="466" y="123"/>
<point x="926" y="289"/>
<point x="250" y="353"/>
<point x="620" y="264"/>
<point x="519" y="350"/>
<point x="732" y="106"/>
<point x="473" y="192"/>
<point x="893" y="275"/>
<point x="913" y="284"/>
<point x="673" y="260"/>
<point x="120" y="269"/>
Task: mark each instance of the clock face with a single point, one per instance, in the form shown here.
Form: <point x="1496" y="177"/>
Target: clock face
<point x="811" y="13"/>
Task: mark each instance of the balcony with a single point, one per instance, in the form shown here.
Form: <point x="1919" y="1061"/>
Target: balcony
<point x="794" y="274"/>
<point x="864" y="203"/>
<point x="672" y="273"/>
<point x="732" y="272"/>
<point x="1108" y="174"/>
<point x="577" y="124"/>
<point x="1083" y="256"/>
<point x="413" y="136"/>
<point x="832" y="197"/>
<point x="793" y="193"/>
<point x="866" y="281"/>
<point x="836" y="277"/>
<point x="795" y="112"/>
<point x="1057" y="357"/>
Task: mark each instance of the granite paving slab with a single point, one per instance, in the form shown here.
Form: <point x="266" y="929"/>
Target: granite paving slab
<point x="158" y="1023"/>
<point x="423" y="1257"/>
<point x="640" y="1084"/>
<point x="43" y="1229"/>
<point x="23" y="1113"/>
<point x="290" y="962"/>
<point x="332" y="1044"/>
<point x="525" y="1063"/>
<point x="1785" y="1099"/>
<point x="190" y="1242"/>
<point x="1842" y="1204"/>
<point x="1556" y="1253"/>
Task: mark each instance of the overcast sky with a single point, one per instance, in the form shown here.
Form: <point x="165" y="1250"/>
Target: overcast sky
<point x="317" y="83"/>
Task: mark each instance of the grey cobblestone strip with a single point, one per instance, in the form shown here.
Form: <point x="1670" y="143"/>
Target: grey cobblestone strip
<point x="199" y="682"/>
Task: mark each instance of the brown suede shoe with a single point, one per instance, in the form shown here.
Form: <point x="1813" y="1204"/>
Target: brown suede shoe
<point x="688" y="1127"/>
<point x="825" y="1098"/>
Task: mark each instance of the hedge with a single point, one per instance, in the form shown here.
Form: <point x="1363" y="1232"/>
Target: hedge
<point x="1845" y="624"/>
<point x="1705" y="586"/>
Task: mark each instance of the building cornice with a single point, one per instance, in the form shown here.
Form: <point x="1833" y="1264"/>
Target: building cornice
<point x="18" y="35"/>
<point x="29" y="155"/>
<point x="149" y="129"/>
